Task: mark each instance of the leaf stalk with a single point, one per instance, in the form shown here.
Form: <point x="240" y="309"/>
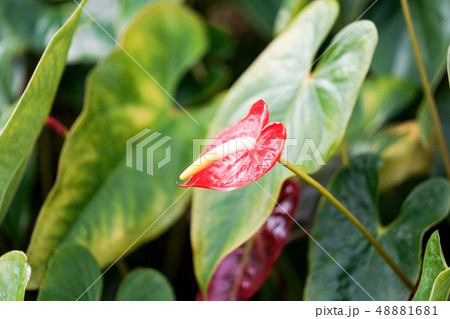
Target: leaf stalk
<point x="311" y="181"/>
<point x="426" y="86"/>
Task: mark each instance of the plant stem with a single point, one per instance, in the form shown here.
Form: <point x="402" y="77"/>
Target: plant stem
<point x="55" y="125"/>
<point x="122" y="268"/>
<point x="311" y="181"/>
<point x="426" y="86"/>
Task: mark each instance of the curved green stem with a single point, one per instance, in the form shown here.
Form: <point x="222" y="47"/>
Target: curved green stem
<point x="426" y="86"/>
<point x="311" y="181"/>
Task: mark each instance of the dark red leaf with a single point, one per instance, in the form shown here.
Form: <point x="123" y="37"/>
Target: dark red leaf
<point x="241" y="273"/>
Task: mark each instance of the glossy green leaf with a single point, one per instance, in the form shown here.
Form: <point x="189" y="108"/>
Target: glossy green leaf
<point x="223" y="221"/>
<point x="71" y="271"/>
<point x="356" y="188"/>
<point x="394" y="54"/>
<point x="280" y="65"/>
<point x="20" y="133"/>
<point x="380" y="100"/>
<point x="433" y="264"/>
<point x="323" y="105"/>
<point x="145" y="284"/>
<point x="4" y="117"/>
<point x="14" y="275"/>
<point x="98" y="201"/>
<point x="435" y="279"/>
<point x="441" y="287"/>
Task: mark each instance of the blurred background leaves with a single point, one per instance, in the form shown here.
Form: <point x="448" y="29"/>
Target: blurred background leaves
<point x="98" y="201"/>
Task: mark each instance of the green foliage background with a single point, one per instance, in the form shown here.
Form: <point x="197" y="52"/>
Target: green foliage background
<point x="343" y="75"/>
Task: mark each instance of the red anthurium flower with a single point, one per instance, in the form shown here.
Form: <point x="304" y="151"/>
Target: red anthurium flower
<point x="240" y="154"/>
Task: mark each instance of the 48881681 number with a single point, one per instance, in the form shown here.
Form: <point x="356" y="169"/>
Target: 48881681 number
<point x="407" y="310"/>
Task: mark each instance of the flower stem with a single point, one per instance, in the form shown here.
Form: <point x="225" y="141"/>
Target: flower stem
<point x="426" y="86"/>
<point x="311" y="181"/>
<point x="55" y="125"/>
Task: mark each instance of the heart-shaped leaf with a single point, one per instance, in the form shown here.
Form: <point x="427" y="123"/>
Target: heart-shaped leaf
<point x="14" y="275"/>
<point x="314" y="108"/>
<point x="98" y="201"/>
<point x="433" y="264"/>
<point x="356" y="188"/>
<point x="20" y="133"/>
<point x="145" y="284"/>
<point x="73" y="274"/>
<point x="323" y="105"/>
<point x="242" y="272"/>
